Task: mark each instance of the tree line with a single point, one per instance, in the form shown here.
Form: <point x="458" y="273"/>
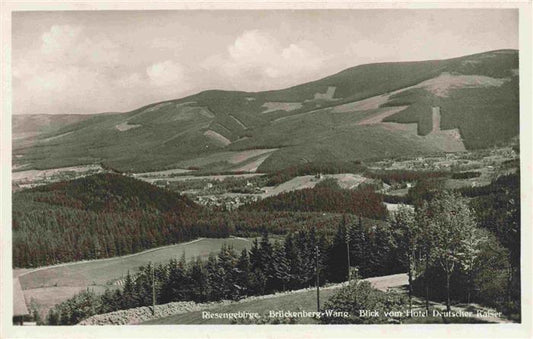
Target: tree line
<point x="268" y="267"/>
<point x="312" y="168"/>
<point x="363" y="202"/>
<point x="108" y="215"/>
<point x="58" y="235"/>
<point x="447" y="256"/>
<point x="451" y="256"/>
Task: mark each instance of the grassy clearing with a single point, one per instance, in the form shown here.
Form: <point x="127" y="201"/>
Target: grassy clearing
<point x="49" y="286"/>
<point x="47" y="297"/>
<point x="99" y="272"/>
<point x="484" y="116"/>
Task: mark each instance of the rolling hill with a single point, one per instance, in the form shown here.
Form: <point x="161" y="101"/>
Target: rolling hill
<point x="26" y="126"/>
<point x="99" y="216"/>
<point x="365" y="112"/>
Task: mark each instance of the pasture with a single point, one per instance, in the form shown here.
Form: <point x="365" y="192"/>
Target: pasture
<point x="53" y="284"/>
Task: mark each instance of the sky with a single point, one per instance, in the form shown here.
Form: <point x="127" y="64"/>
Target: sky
<point x="80" y="62"/>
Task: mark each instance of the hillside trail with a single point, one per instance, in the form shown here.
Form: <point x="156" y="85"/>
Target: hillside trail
<point x="419" y="305"/>
<point x="398" y="282"/>
<point x="141" y="314"/>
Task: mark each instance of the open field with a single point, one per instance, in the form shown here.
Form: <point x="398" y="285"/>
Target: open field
<point x="228" y="158"/>
<point x="298" y="183"/>
<point x="53" y="284"/>
<point x="47" y="297"/>
<point x="444" y="83"/>
<point x="99" y="272"/>
<point x="32" y="175"/>
<point x="30" y="178"/>
<point x="281" y="106"/>
<point x="377" y="118"/>
<point x="348" y="180"/>
<point x="217" y="137"/>
<point x="253" y="165"/>
<point x="345" y="180"/>
<point x="125" y="126"/>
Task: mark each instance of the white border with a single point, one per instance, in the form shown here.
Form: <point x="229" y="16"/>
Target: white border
<point x="268" y="331"/>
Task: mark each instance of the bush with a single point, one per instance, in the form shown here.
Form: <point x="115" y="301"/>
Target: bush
<point x="330" y="183"/>
<point x="465" y="175"/>
<point x="74" y="310"/>
<point x="356" y="298"/>
<point x="488" y="280"/>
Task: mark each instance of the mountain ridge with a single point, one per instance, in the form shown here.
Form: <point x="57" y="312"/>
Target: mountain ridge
<point x="479" y="89"/>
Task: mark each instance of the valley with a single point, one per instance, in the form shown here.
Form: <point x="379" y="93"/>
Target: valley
<point x="267" y="193"/>
<point x="49" y="285"/>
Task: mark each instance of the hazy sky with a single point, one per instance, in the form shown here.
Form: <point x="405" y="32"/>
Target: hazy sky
<point x="101" y="61"/>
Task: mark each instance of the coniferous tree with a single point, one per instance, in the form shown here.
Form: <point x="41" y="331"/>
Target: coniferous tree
<point x="172" y="289"/>
<point x="215" y="279"/>
<point x="198" y="277"/>
<point x="128" y="295"/>
<point x="358" y="246"/>
<point x="257" y="276"/>
<point x="227" y="262"/>
<point x="306" y="260"/>
<point x="143" y="286"/>
<point x="255" y="256"/>
<point x="243" y="268"/>
<point x="281" y="267"/>
<point x="382" y="248"/>
<point x="323" y="258"/>
<point x="338" y="256"/>
<point x="293" y="260"/>
<point x="266" y="261"/>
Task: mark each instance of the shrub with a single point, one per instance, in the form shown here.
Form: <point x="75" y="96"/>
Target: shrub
<point x="465" y="175"/>
<point x="356" y="298"/>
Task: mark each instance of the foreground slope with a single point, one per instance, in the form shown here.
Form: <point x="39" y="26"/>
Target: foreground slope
<point x="365" y="112"/>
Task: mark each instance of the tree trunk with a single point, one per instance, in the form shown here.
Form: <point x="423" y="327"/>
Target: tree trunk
<point x="410" y="288"/>
<point x="510" y="283"/>
<point x="448" y="307"/>
<point x="426" y="285"/>
<point x="468" y="288"/>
